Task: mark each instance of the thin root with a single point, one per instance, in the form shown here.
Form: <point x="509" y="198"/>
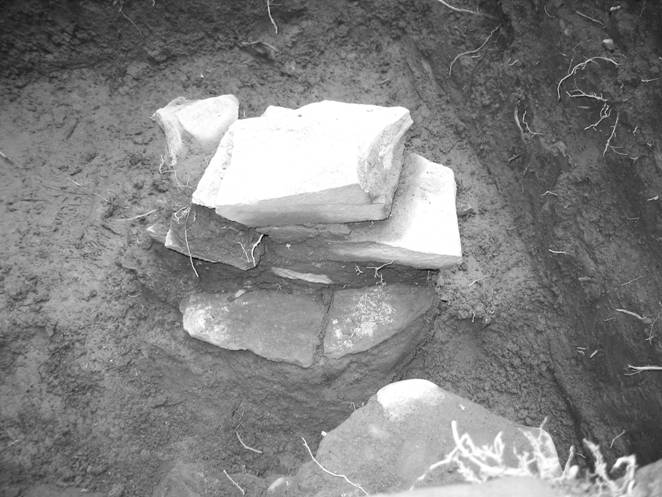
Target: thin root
<point x="580" y="67"/>
<point x="337" y="475"/>
<point x="469" y="52"/>
<point x="243" y="492"/>
<point x="271" y="17"/>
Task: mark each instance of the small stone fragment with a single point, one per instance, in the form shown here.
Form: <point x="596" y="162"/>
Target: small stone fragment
<point x="277" y="326"/>
<point x="608" y="43"/>
<point x="194" y="126"/>
<point x="211" y="238"/>
<point x="421" y="232"/>
<point x="326" y="162"/>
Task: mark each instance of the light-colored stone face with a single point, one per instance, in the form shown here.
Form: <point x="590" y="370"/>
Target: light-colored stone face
<point x="193" y="129"/>
<point x="274" y="325"/>
<point x="422" y="230"/>
<point x="360" y="319"/>
<point x="325" y="162"/>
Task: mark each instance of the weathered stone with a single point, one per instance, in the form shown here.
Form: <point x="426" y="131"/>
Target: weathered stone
<point x="211" y="238"/>
<point x="359" y="319"/>
<point x="327" y="162"/>
<point x="501" y="487"/>
<point x="421" y="232"/>
<point x="649" y="480"/>
<point x="278" y="326"/>
<point x="290" y="274"/>
<point x="389" y="443"/>
<point x="194" y="127"/>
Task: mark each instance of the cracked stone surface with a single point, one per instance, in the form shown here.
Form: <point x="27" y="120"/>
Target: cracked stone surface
<point x="327" y="162"/>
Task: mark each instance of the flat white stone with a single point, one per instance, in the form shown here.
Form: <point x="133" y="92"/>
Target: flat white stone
<point x="421" y="232"/>
<point x="202" y="121"/>
<point x="193" y="130"/>
<point x="327" y="162"/>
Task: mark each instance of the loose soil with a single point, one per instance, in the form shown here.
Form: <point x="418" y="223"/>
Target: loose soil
<point x="561" y="224"/>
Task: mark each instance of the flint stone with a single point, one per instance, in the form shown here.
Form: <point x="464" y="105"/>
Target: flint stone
<point x="194" y="127"/>
<point x="403" y="429"/>
<point x="360" y="319"/>
<point x="277" y="326"/>
<point x="327" y="162"/>
<point x="422" y="231"/>
<point x="211" y="238"/>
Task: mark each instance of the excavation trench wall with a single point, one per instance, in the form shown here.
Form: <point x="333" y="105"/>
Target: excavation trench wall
<point x="102" y="387"/>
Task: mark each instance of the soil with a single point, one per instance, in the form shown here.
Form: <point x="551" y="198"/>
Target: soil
<point x="561" y="224"/>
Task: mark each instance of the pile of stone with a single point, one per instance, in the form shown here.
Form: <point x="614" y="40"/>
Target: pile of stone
<point x="312" y="194"/>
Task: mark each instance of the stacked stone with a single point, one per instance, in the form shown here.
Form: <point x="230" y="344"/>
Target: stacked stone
<point x="321" y="194"/>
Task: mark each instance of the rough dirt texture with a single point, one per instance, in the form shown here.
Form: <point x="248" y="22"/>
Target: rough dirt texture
<point x="101" y="389"/>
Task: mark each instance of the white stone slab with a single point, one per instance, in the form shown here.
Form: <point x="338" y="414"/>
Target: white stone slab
<point x="327" y="162"/>
<point x="422" y="230"/>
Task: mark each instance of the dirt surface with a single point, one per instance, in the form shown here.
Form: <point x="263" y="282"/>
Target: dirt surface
<point x="561" y="224"/>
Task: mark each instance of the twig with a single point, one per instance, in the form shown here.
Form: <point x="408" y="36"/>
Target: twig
<point x="254" y="246"/>
<point x="631" y="281"/>
<point x="580" y="67"/>
<point x="469" y="52"/>
<point x="243" y="492"/>
<point x="148" y="213"/>
<point x="257" y="451"/>
<point x="639" y="369"/>
<point x="121" y="11"/>
<point x="337" y="475"/>
<point x="4" y="156"/>
<point x="616" y="438"/>
<point x="190" y="257"/>
<point x="605" y="112"/>
<point x="270" y="16"/>
<point x="643" y="319"/>
<point x="611" y="136"/>
<point x="526" y="125"/>
<point x="577" y="93"/>
<point x="377" y="270"/>
<point x="466" y="11"/>
<point x="557" y="252"/>
<point x="477" y="281"/>
<point x="549" y="192"/>
<point x="590" y="18"/>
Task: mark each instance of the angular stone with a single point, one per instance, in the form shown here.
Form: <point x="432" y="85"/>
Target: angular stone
<point x="194" y="127"/>
<point x="389" y="443"/>
<point x="421" y="232"/>
<point x="211" y="238"/>
<point x="327" y="162"/>
<point x="362" y="318"/>
<point x="278" y="326"/>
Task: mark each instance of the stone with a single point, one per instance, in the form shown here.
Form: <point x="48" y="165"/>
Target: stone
<point x="327" y="162"/>
<point x="421" y="232"/>
<point x="290" y="274"/>
<point x="211" y="238"/>
<point x="277" y="326"/>
<point x="648" y="480"/>
<point x="500" y="487"/>
<point x="194" y="127"/>
<point x="359" y="319"/>
<point x="386" y="445"/>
